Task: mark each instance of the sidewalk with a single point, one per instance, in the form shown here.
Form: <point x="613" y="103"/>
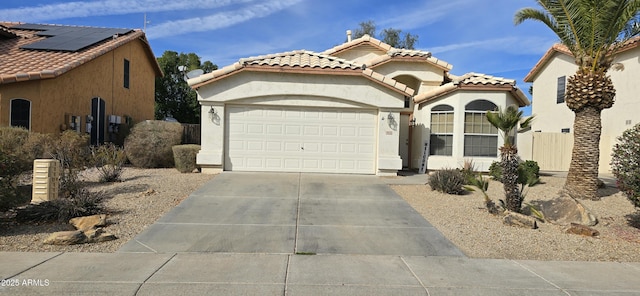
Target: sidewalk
<point x="289" y="274"/>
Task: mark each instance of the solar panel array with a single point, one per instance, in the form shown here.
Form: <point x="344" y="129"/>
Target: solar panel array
<point x="68" y="38"/>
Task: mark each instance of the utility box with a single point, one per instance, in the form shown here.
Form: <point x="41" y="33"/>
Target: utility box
<point x="46" y="180"/>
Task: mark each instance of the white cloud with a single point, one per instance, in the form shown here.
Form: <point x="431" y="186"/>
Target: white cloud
<point x="107" y="7"/>
<point x="429" y="13"/>
<point x="512" y="45"/>
<point x="218" y="20"/>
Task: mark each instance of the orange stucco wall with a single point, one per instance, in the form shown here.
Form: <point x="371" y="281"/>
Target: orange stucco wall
<point x="71" y="92"/>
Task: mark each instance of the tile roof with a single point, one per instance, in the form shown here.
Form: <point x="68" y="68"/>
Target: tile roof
<point x="358" y="41"/>
<point x="474" y="81"/>
<point x="560" y="48"/>
<point x="299" y="61"/>
<point x="392" y="53"/>
<point x="27" y="64"/>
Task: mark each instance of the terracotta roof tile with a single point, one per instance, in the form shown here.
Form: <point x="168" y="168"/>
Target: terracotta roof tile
<point x="29" y="64"/>
<point x="475" y="81"/>
<point x="298" y="60"/>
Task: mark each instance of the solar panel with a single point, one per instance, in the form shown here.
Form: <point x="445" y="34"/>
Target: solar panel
<point x="68" y="38"/>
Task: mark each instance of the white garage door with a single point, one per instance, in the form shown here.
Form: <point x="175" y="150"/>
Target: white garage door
<point x="286" y="139"/>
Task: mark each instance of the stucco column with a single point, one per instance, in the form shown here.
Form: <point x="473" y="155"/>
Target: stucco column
<point x="389" y="161"/>
<point x="211" y="157"/>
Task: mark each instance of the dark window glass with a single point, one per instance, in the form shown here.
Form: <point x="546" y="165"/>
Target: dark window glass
<point x="21" y="113"/>
<point x="481" y="105"/>
<point x="565" y="130"/>
<point x="484" y="146"/>
<point x="441" y="145"/>
<point x="126" y="73"/>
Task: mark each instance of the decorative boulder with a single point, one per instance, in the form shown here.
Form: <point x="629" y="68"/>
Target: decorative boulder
<point x="89" y="222"/>
<point x="582" y="230"/>
<point x="519" y="220"/>
<point x="565" y="210"/>
<point x="98" y="235"/>
<point x="66" y="238"/>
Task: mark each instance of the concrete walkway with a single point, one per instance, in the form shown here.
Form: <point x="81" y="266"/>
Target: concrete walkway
<point x="300" y="234"/>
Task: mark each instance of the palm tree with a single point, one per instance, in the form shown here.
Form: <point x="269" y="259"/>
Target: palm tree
<point x="507" y="122"/>
<point x="593" y="31"/>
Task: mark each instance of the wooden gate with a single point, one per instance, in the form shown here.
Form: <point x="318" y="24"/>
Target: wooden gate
<point x="552" y="151"/>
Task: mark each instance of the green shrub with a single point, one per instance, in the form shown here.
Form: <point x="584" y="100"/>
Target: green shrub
<point x="149" y="143"/>
<point x="450" y="181"/>
<point x="495" y="171"/>
<point x="528" y="172"/>
<point x="185" y="157"/>
<point x="83" y="203"/>
<point x="625" y="164"/>
<point x="108" y="159"/>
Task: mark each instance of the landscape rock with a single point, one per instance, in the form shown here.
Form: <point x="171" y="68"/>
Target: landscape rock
<point x="582" y="230"/>
<point x="98" y="235"/>
<point x="519" y="220"/>
<point x="89" y="222"/>
<point x="66" y="238"/>
<point x="565" y="210"/>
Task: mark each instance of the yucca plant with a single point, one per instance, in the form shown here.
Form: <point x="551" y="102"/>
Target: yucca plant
<point x="507" y="121"/>
<point x="593" y="31"/>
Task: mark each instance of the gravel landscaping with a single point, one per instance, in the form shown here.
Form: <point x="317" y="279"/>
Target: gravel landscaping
<point x="464" y="220"/>
<point x="146" y="194"/>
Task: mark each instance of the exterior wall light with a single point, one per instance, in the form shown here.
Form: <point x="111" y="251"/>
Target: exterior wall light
<point x="412" y="122"/>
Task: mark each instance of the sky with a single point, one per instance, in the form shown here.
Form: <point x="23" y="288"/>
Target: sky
<point x="472" y="35"/>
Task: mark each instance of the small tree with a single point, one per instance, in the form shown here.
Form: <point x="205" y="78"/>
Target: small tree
<point x="507" y="121"/>
<point x="391" y="36"/>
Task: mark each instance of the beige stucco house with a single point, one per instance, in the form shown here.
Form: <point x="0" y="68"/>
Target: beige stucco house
<point x="549" y="78"/>
<point x="362" y="107"/>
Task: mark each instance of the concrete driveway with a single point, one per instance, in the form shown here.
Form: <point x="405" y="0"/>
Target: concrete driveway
<point x="256" y="234"/>
<point x="293" y="213"/>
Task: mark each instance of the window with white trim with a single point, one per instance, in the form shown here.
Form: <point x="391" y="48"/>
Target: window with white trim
<point x="20" y="113"/>
<point x="441" y="139"/>
<point x="480" y="137"/>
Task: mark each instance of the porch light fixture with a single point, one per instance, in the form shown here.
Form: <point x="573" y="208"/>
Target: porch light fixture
<point x="390" y="116"/>
<point x="412" y="122"/>
<point x="212" y="111"/>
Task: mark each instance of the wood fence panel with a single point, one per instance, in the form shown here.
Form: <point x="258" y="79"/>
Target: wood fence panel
<point x="191" y="134"/>
<point x="552" y="151"/>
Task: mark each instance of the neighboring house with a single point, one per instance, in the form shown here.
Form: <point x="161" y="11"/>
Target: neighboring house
<point x="54" y="78"/>
<point x="549" y="78"/>
<point x="361" y="107"/>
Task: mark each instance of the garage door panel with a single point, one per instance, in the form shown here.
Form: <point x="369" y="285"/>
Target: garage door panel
<point x="300" y="139"/>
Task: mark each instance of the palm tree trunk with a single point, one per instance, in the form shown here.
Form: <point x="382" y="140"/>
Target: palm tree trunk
<point x="583" y="171"/>
<point x="509" y="161"/>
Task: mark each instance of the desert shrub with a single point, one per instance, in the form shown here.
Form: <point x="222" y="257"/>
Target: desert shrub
<point x="625" y="164"/>
<point x="469" y="172"/>
<point x="450" y="181"/>
<point x="14" y="160"/>
<point x="72" y="150"/>
<point x="11" y="166"/>
<point x="38" y="146"/>
<point x="185" y="157"/>
<point x="495" y="171"/>
<point x="528" y="172"/>
<point x="149" y="143"/>
<point x="83" y="203"/>
<point x="108" y="159"/>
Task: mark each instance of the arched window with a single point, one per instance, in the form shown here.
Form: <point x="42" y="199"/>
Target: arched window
<point x="441" y="130"/>
<point x="480" y="137"/>
<point x="20" y="113"/>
